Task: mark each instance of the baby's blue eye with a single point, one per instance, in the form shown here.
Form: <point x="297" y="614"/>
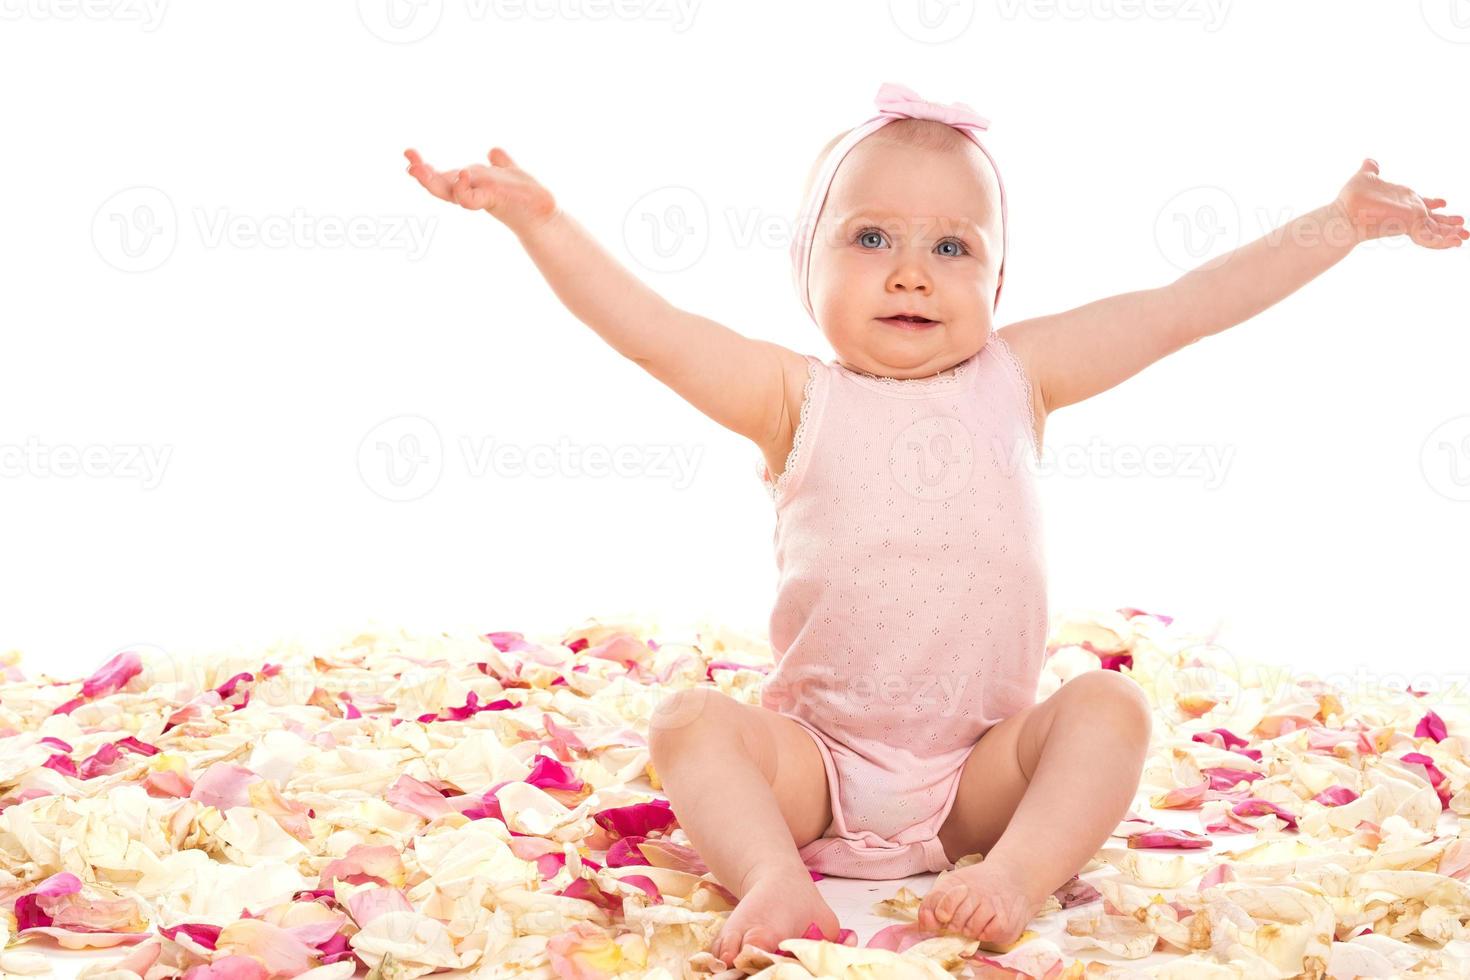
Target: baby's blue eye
<point x="867" y="237"/>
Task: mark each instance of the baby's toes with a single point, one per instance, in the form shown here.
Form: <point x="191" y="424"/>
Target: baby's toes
<point x="978" y="923"/>
<point x="949" y="903"/>
<point x="727" y="946"/>
<point x="994" y="925"/>
<point x="969" y="907"/>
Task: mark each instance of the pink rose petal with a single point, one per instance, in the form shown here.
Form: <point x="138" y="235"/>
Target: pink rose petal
<point x="1177" y="838"/>
<point x="547" y="773"/>
<point x="1431" y="726"/>
<point x="507" y="641"/>
<point x="224" y="785"/>
<point x="1182" y="797"/>
<point x="638" y="819"/>
<point x="1224" y="778"/>
<point x="845" y="937"/>
<point x="412" y="796"/>
<point x="646" y="883"/>
<point x="624" y="852"/>
<point x="587" y="890"/>
<point x="202" y="933"/>
<point x="714" y="665"/>
<point x="547" y="865"/>
<point x="1128" y="612"/>
<point x="1216" y="875"/>
<point x="133" y="745"/>
<point x="897" y="938"/>
<point x="1076" y="892"/>
<point x="664" y="853"/>
<point x="101" y="762"/>
<point x="363" y="863"/>
<point x="28" y="911"/>
<point x="1419" y="758"/>
<point x="366" y="905"/>
<point x="1255" y="807"/>
<point x="112" y="675"/>
<point x="1335" y="795"/>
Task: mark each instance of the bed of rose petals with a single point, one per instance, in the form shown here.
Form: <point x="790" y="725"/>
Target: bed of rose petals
<point x="485" y="807"/>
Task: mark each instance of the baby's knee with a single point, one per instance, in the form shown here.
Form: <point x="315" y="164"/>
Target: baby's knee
<point x="1116" y="699"/>
<point x="682" y="719"/>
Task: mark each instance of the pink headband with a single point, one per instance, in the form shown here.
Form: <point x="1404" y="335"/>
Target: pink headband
<point x="894" y="102"/>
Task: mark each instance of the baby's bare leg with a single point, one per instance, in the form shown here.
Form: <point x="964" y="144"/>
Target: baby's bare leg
<point x="1039" y="795"/>
<point x="748" y="787"/>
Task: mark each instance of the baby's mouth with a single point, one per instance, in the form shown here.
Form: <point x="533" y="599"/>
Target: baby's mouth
<point x="908" y="321"/>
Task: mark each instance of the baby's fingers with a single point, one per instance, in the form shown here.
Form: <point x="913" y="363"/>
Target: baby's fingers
<point x="472" y="193"/>
<point x="438" y="184"/>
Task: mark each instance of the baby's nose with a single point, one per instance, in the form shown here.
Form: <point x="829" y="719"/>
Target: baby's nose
<point x="909" y="283"/>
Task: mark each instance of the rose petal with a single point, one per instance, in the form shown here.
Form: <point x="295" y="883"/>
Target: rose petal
<point x="112" y="675"/>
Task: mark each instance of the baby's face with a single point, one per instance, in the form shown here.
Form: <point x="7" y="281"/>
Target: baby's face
<point x="907" y="229"/>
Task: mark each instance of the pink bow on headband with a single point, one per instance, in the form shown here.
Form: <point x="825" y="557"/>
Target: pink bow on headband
<point x="894" y="101"/>
<point x="904" y="103"/>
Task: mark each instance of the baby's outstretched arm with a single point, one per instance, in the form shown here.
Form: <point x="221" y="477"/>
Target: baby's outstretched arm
<point x="1082" y="352"/>
<point x="736" y="380"/>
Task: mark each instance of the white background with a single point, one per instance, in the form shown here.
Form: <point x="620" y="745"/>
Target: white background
<point x="1136" y="140"/>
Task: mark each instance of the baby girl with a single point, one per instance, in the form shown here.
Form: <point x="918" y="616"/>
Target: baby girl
<point x="899" y="730"/>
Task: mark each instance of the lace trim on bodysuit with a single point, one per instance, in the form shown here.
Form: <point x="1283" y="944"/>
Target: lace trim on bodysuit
<point x="1019" y="373"/>
<point x="774" y="489"/>
<point x="950" y="374"/>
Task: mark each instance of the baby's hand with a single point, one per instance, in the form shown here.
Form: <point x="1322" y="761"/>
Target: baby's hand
<point x="1377" y="209"/>
<point x="503" y="189"/>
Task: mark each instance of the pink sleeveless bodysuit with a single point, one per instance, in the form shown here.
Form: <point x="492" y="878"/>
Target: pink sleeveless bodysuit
<point x="911" y="611"/>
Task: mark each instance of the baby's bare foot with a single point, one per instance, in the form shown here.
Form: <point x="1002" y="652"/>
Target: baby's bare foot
<point x="777" y="906"/>
<point x="984" y="901"/>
